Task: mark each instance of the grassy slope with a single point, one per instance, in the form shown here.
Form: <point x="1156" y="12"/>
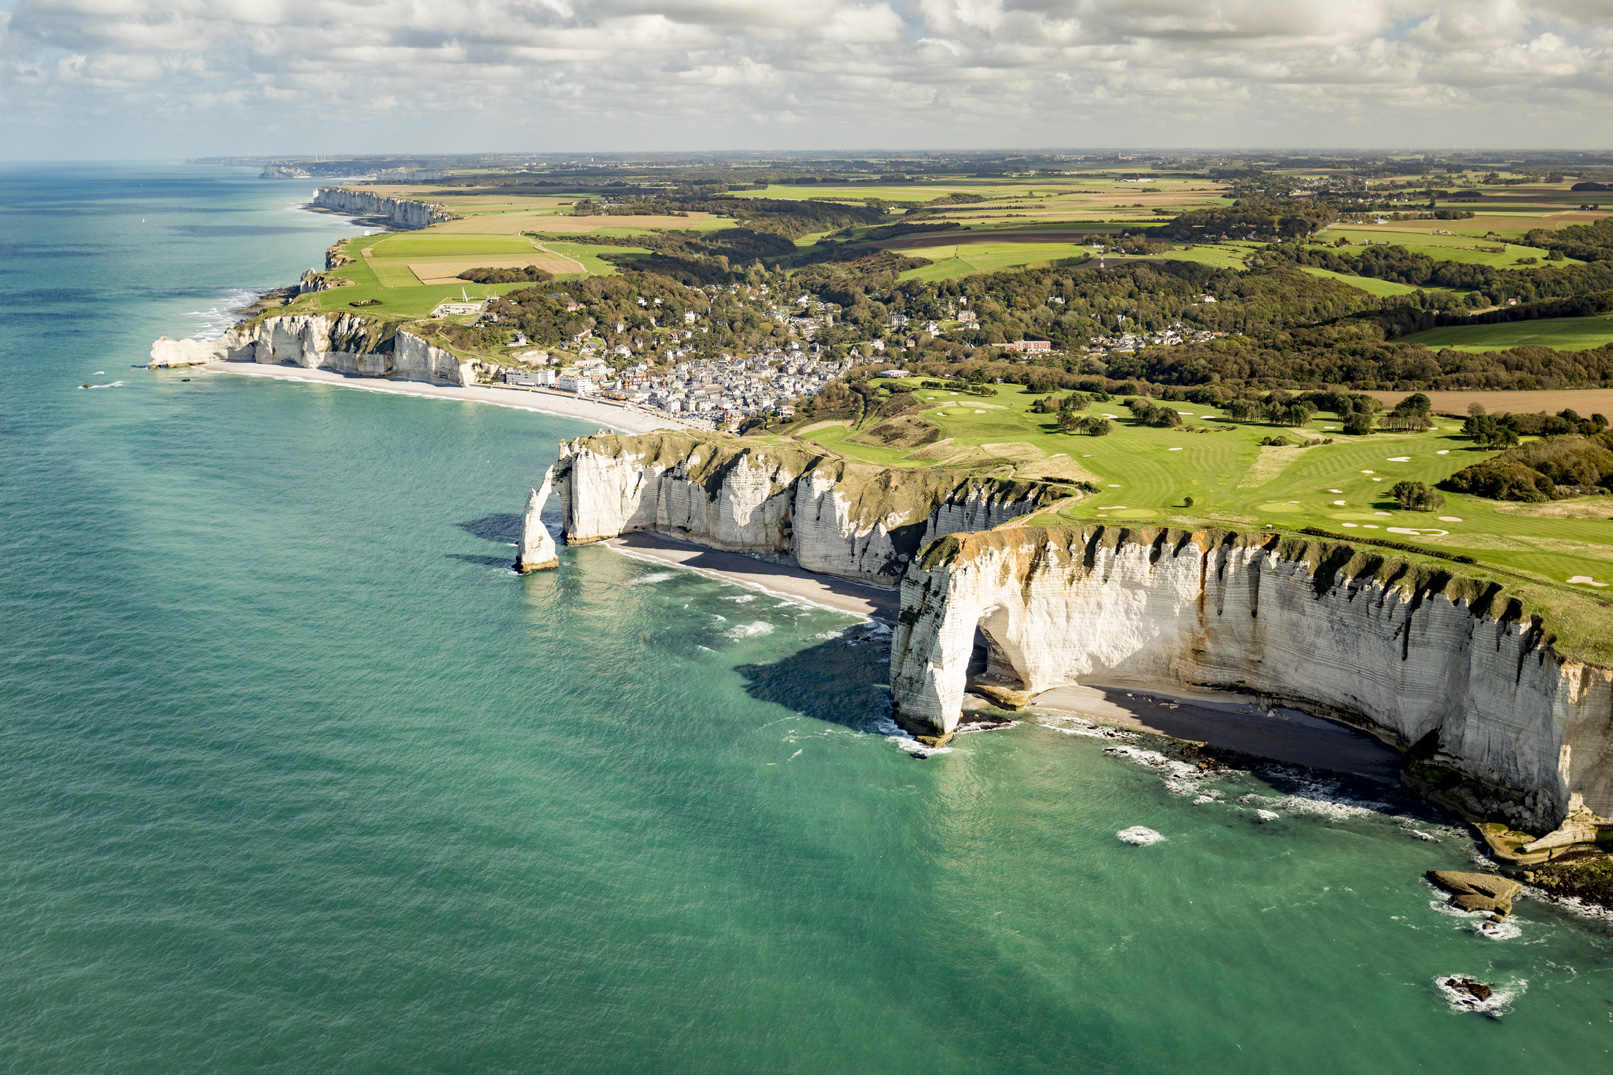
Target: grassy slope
<point x="962" y="259"/>
<point x="1367" y="283"/>
<point x="1237" y="483"/>
<point x="1562" y="333"/>
<point x="1462" y="248"/>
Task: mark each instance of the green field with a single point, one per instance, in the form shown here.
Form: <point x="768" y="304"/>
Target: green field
<point x="961" y="259"/>
<point x="385" y="275"/>
<point x="1562" y="333"/>
<point x="1463" y="248"/>
<point x="589" y="255"/>
<point x="1367" y="283"/>
<point x="428" y="244"/>
<point x="965" y="258"/>
<point x="1144" y="474"/>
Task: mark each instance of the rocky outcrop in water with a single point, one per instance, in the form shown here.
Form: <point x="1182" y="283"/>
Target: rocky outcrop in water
<point x="826" y="513"/>
<point x="1477" y="891"/>
<point x="403" y="213"/>
<point x="344" y="343"/>
<point x="537" y="547"/>
<point x="1414" y="654"/>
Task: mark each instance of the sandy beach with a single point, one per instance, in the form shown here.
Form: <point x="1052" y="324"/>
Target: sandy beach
<point x="559" y="404"/>
<point x="1230" y="722"/>
<point x="783" y="580"/>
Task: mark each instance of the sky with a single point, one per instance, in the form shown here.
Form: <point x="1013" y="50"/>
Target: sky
<point x="107" y="79"/>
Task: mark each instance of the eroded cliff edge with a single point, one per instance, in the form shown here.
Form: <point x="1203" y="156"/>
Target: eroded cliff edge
<point x="830" y="515"/>
<point x="345" y="343"/>
<point x="1432" y="662"/>
<point x="404" y="213"/>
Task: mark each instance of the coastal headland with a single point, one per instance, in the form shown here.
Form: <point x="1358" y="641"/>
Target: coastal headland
<point x="1029" y="547"/>
<point x="1495" y="715"/>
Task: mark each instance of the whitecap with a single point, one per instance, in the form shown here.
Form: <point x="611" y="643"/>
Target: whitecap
<point x="1179" y="777"/>
<point x="1077" y="726"/>
<point x="1139" y="836"/>
<point x="750" y="630"/>
<point x="652" y="577"/>
<point x="1266" y="815"/>
<point x="895" y="733"/>
<point x="741" y="599"/>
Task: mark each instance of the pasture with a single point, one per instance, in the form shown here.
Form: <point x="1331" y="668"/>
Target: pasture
<point x="1561" y="333"/>
<point x="1367" y="283"/>
<point x="1463" y="247"/>
<point x="1144" y="474"/>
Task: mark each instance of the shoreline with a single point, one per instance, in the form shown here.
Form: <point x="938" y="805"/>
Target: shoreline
<point x="1233" y="722"/>
<point x="775" y="579"/>
<point x="1230" y="721"/>
<point x="553" y="405"/>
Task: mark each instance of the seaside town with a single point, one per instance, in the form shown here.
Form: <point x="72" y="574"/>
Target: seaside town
<point x="686" y="380"/>
<point x="683" y="379"/>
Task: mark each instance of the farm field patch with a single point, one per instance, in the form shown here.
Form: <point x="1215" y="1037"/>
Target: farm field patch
<point x="1586" y="401"/>
<point x="447" y="270"/>
<point x="1561" y="333"/>
<point x="1366" y="283"/>
<point x="1456" y="247"/>
<point x="961" y="259"/>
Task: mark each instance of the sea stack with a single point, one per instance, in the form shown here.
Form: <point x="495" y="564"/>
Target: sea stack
<point x="537" y="547"/>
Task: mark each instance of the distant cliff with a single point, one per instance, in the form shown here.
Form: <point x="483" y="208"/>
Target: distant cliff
<point x="345" y="343"/>
<point x="396" y="212"/>
<point x="830" y="515"/>
<point x="1419" y="656"/>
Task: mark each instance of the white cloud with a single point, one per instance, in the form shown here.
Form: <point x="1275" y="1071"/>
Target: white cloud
<point x="242" y="76"/>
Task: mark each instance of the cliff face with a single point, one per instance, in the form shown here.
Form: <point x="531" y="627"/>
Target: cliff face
<point x="397" y="212"/>
<point x="345" y="343"/>
<point x="1413" y="654"/>
<point x="830" y="515"/>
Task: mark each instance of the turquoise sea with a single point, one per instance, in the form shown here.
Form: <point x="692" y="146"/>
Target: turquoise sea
<point x="296" y="776"/>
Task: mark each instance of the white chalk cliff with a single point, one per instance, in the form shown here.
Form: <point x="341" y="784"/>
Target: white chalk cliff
<point x="537" y="547"/>
<point x="827" y="514"/>
<point x="344" y="343"/>
<point x="1416" y="655"/>
<point x="398" y="212"/>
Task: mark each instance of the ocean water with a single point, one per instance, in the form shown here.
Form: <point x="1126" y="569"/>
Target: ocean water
<point x="296" y="776"/>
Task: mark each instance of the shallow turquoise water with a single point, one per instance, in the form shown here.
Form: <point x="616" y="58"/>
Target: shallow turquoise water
<point x="295" y="775"/>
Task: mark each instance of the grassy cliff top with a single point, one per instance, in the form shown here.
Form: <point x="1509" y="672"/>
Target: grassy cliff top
<point x="1574" y="625"/>
<point x="1321" y="477"/>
